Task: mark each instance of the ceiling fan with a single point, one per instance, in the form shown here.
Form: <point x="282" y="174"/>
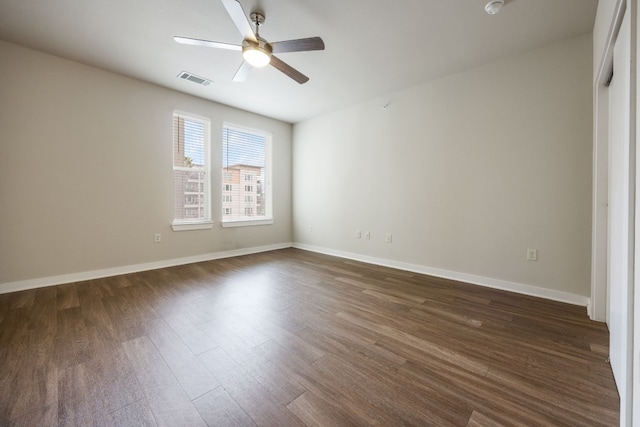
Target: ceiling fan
<point x="258" y="52"/>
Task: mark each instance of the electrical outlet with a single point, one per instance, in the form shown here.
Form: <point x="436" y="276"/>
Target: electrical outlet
<point x="157" y="237"/>
<point x="358" y="234"/>
<point x="532" y="254"/>
<point x="389" y="238"/>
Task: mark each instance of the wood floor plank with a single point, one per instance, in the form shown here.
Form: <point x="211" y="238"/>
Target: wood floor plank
<point x="22" y="299"/>
<point x="79" y="402"/>
<point x="291" y="337"/>
<point x="14" y="339"/>
<point x="41" y="416"/>
<point x="288" y="340"/>
<point x="190" y="373"/>
<point x="314" y="411"/>
<point x="14" y="332"/>
<point x="219" y="409"/>
<point x="487" y="397"/>
<point x="251" y="396"/>
<point x="168" y="402"/>
<point x="31" y="381"/>
<point x="31" y="365"/>
<point x="42" y="316"/>
<point x="245" y="330"/>
<point x="72" y="338"/>
<point x="479" y="420"/>
<point x="136" y="414"/>
<point x="253" y="364"/>
<point x="381" y="395"/>
<point x="99" y="386"/>
<point x="67" y="296"/>
<point x="433" y="405"/>
<point x="577" y="410"/>
<point x="92" y="308"/>
<point x="422" y="345"/>
<point x="128" y="320"/>
<point x="191" y="335"/>
<point x="356" y="407"/>
<point x="349" y="346"/>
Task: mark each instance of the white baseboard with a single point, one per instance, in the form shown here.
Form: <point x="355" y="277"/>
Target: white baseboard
<point x="22" y="285"/>
<point x="488" y="282"/>
<point x="446" y="274"/>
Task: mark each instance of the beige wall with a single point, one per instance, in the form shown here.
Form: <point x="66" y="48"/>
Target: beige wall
<point x="466" y="172"/>
<point x="86" y="172"/>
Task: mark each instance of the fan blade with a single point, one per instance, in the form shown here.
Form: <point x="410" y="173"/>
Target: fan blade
<point x="243" y="72"/>
<point x="299" y="45"/>
<point x="206" y="43"/>
<point x="289" y="70"/>
<point x="234" y="9"/>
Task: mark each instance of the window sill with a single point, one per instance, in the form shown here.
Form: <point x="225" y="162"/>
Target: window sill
<point x="246" y="223"/>
<point x="187" y="226"/>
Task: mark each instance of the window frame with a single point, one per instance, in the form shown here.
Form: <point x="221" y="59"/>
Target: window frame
<point x="186" y="224"/>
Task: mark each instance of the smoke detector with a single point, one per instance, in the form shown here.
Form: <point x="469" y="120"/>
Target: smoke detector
<point x="494" y="6"/>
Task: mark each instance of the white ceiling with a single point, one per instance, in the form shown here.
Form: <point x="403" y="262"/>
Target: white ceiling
<point x="373" y="47"/>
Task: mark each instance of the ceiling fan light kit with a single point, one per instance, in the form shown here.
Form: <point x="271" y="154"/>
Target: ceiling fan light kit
<point x="494" y="6"/>
<point x="256" y="51"/>
<point x="257" y="54"/>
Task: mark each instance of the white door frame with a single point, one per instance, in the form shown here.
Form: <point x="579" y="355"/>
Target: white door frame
<point x="598" y="301"/>
<point x="598" y="305"/>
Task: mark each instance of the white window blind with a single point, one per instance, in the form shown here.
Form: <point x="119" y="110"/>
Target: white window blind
<point x="246" y="174"/>
<point x="191" y="169"/>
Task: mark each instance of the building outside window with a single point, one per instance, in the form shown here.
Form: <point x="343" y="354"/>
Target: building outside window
<point x="246" y="174"/>
<point x="191" y="169"/>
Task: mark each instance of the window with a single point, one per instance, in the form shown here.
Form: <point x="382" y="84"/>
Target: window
<point x="192" y="200"/>
<point x="246" y="157"/>
<point x="191" y="171"/>
<point x="227" y="198"/>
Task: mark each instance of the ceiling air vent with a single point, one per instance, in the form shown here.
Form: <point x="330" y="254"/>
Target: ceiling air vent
<point x="193" y="78"/>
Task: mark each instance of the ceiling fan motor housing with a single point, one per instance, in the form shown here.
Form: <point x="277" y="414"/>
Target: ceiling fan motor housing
<point x="257" y="53"/>
<point x="261" y="44"/>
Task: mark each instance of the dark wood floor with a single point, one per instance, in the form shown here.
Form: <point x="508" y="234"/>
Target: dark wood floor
<point x="295" y="338"/>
